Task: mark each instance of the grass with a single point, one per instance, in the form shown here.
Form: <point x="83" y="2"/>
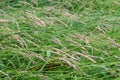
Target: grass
<point x="59" y="40"/>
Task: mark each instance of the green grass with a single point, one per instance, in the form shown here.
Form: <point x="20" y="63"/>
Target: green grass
<point x="59" y="40"/>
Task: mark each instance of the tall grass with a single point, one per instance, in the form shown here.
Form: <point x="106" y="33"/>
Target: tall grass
<point x="59" y="40"/>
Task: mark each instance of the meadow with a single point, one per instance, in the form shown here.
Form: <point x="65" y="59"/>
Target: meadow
<point x="59" y="39"/>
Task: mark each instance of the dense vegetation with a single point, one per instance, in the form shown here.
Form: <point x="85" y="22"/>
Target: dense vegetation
<point x="59" y="39"/>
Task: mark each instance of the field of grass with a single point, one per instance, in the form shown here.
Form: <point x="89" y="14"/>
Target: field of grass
<point x="59" y="39"/>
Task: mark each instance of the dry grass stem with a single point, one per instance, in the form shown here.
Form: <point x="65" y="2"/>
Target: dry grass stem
<point x="30" y="54"/>
<point x="4" y="21"/>
<point x="20" y="40"/>
<point x="86" y="56"/>
<point x="61" y="22"/>
<point x="35" y="19"/>
<point x="56" y="40"/>
<point x="69" y="63"/>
